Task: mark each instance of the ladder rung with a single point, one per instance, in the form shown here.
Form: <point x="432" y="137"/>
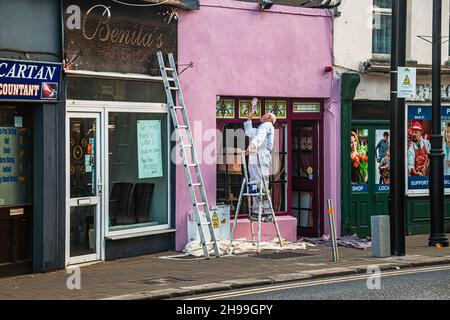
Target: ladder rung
<point x="178" y="107"/>
<point x="192" y="165"/>
<point x="205" y="224"/>
<point x="200" y="204"/>
<point x="254" y="194"/>
<point x="187" y="145"/>
<point x="173" y="88"/>
<point x="182" y="127"/>
<point x="169" y="69"/>
<point x="196" y="185"/>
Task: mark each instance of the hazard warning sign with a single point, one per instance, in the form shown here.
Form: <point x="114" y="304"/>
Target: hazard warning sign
<point x="406" y="83"/>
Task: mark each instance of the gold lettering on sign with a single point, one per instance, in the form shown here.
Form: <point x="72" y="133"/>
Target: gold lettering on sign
<point x="100" y="29"/>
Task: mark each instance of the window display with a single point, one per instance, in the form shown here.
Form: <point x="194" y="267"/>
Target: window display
<point x="359" y="150"/>
<point x="15" y="157"/>
<point x="138" y="174"/>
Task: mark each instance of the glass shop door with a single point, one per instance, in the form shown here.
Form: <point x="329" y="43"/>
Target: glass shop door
<point x="85" y="188"/>
<point x="306" y="177"/>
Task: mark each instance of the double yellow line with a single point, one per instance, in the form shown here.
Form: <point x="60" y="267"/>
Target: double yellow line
<point x="317" y="282"/>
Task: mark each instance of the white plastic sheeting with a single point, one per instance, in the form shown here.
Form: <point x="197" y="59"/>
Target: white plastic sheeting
<point x="241" y="246"/>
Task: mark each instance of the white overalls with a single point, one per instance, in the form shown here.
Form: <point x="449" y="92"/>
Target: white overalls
<point x="262" y="138"/>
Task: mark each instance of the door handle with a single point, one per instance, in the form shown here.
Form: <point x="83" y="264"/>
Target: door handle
<point x="100" y="186"/>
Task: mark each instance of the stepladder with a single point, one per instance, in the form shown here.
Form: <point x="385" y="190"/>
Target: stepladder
<point x="251" y="190"/>
<point x="188" y="153"/>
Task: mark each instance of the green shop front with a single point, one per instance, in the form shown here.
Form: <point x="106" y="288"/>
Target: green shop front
<point x="366" y="160"/>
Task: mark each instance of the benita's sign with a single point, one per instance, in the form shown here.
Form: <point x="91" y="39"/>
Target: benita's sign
<point x="109" y="36"/>
<point x="20" y="80"/>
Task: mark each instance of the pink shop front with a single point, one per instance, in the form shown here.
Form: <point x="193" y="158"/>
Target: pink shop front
<point x="282" y="56"/>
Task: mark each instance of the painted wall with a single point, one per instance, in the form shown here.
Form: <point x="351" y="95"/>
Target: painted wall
<point x="353" y="42"/>
<point x="237" y="50"/>
<point x="30" y="26"/>
<point x="353" y="32"/>
<point x="377" y="87"/>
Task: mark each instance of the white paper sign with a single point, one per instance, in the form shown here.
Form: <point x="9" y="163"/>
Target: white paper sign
<point x="149" y="149"/>
<point x="406" y="82"/>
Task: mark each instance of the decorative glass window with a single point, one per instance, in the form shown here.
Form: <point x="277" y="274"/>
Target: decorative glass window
<point x="245" y="106"/>
<point x="225" y="109"/>
<point x="381" y="31"/>
<point x="305" y="107"/>
<point x="277" y="107"/>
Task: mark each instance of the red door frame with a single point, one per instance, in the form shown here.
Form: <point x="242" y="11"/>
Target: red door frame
<point x="318" y="119"/>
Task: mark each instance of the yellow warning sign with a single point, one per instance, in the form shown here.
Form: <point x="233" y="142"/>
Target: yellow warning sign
<point x="406" y="81"/>
<point x="215" y="220"/>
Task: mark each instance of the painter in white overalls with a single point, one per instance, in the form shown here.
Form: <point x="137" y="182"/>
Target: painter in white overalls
<point x="261" y="141"/>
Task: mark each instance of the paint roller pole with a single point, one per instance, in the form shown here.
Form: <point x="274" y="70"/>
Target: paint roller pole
<point x="333" y="231"/>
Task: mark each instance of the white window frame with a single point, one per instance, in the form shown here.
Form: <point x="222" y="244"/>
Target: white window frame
<point x="104" y="107"/>
<point x="380" y="11"/>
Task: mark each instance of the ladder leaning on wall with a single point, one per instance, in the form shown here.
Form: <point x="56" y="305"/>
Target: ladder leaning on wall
<point x="188" y="153"/>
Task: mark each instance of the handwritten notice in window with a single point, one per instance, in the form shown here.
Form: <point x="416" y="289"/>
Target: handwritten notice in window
<point x="149" y="149"/>
<point x="9" y="152"/>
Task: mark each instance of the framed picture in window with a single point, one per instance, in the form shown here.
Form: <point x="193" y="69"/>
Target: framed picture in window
<point x="277" y="107"/>
<point x="225" y="109"/>
<point x="245" y="106"/>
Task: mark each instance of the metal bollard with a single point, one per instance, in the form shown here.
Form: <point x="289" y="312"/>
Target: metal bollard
<point x="333" y="231"/>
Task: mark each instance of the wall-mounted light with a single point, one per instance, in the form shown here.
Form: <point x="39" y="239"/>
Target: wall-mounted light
<point x="265" y="4"/>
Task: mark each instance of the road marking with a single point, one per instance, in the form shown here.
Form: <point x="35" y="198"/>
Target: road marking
<point x="316" y="283"/>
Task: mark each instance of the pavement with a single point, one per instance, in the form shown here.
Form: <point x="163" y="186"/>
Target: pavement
<point x="161" y="277"/>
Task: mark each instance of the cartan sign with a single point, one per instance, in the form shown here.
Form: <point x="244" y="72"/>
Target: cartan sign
<point x="32" y="81"/>
<point x="110" y="36"/>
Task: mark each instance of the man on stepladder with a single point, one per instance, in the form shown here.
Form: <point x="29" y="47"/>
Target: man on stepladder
<point x="261" y="142"/>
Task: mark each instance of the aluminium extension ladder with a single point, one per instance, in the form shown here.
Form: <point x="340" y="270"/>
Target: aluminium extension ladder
<point x="263" y="193"/>
<point x="188" y="153"/>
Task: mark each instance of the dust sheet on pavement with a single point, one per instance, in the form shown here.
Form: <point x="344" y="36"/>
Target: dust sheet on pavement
<point x="242" y="246"/>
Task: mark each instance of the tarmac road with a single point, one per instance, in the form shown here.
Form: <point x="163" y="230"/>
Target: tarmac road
<point x="430" y="283"/>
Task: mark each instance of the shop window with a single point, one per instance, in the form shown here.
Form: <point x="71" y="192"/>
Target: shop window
<point x="229" y="164"/>
<point x="15" y="156"/>
<point x="138" y="170"/>
<point x="381" y="31"/>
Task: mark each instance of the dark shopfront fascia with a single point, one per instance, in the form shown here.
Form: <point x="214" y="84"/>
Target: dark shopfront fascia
<point x="370" y="120"/>
<point x="296" y="183"/>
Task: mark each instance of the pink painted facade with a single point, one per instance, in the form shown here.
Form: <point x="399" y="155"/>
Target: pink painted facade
<point x="239" y="51"/>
